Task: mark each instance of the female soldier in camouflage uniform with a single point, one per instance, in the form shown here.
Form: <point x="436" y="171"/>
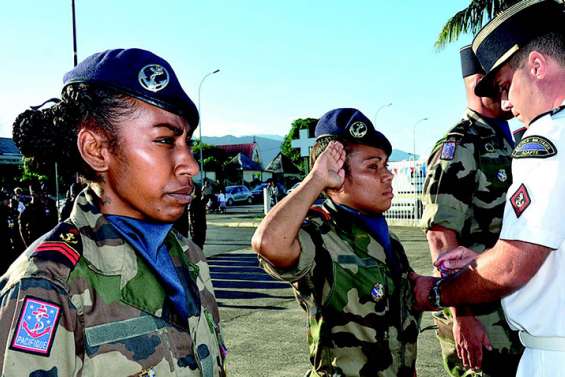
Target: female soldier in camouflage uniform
<point x="114" y="290"/>
<point x="348" y="272"/>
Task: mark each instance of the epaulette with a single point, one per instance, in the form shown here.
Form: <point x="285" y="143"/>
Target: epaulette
<point x="518" y="134"/>
<point x="63" y="245"/>
<point x="447" y="145"/>
<point x="319" y="212"/>
<point x="459" y="131"/>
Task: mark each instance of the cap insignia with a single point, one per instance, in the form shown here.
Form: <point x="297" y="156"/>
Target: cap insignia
<point x="358" y="130"/>
<point x="153" y="77"/>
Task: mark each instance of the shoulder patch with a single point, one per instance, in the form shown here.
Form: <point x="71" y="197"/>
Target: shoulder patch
<point x="448" y="150"/>
<point x="534" y="147"/>
<point x="318" y="211"/>
<point x="520" y="200"/>
<point x="63" y="244"/>
<point x="36" y="327"/>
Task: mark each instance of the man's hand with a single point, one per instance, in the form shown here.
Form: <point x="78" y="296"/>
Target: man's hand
<point x="470" y="338"/>
<point x="421" y="286"/>
<point x="455" y="259"/>
<point x="328" y="168"/>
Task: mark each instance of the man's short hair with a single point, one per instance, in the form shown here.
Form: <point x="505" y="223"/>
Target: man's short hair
<point x="551" y="44"/>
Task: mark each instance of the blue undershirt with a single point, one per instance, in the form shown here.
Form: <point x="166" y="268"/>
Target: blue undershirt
<point x="148" y="240"/>
<point x="502" y="127"/>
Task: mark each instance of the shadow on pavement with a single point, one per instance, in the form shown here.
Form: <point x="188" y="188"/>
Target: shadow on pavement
<point x="238" y="276"/>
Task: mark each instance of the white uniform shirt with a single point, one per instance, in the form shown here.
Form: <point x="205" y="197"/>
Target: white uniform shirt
<point x="535" y="213"/>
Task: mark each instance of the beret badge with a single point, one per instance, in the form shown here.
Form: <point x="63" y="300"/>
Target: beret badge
<point x="153" y="77"/>
<point x="358" y="130"/>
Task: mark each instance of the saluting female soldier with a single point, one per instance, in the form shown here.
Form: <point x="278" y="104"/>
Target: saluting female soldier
<point x="348" y="272"/>
<point x="114" y="289"/>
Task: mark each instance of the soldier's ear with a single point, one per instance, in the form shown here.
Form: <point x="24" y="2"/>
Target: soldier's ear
<point x="94" y="149"/>
<point x="537" y="64"/>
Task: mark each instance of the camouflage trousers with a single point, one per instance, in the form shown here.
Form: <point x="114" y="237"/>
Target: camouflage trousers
<point x="502" y="361"/>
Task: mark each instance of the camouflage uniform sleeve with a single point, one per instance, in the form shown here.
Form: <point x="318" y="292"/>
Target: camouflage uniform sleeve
<point x="38" y="330"/>
<point x="305" y="261"/>
<point x="449" y="185"/>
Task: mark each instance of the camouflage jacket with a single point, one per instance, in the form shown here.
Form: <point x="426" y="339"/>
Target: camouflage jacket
<point x="469" y="172"/>
<point x="465" y="187"/>
<point x="359" y="316"/>
<point x="81" y="302"/>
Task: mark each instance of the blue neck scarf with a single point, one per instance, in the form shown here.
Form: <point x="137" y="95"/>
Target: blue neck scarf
<point x="502" y="127"/>
<point x="377" y="227"/>
<point x="148" y="239"/>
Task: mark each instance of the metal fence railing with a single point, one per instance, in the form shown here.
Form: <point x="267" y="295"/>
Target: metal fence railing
<point x="407" y="184"/>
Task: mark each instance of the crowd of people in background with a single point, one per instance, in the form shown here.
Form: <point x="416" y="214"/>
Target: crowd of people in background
<point x="25" y="214"/>
<point x="28" y="211"/>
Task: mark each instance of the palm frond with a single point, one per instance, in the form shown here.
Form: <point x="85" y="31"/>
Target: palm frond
<point x="470" y="19"/>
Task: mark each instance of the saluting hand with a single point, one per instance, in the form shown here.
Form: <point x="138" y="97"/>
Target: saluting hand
<point x="328" y="168"/>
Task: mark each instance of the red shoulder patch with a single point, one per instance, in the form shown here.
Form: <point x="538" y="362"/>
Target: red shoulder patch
<point x="320" y="212"/>
<point x="60" y="248"/>
<point x="520" y="200"/>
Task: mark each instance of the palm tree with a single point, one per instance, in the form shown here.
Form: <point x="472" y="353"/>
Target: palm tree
<point x="471" y="19"/>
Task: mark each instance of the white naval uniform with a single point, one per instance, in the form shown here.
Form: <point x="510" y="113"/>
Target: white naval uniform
<point x="539" y="306"/>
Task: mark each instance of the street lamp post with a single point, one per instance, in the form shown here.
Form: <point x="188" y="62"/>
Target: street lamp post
<point x="378" y="110"/>
<point x="414" y="138"/>
<point x="202" y="172"/>
<point x="414" y="174"/>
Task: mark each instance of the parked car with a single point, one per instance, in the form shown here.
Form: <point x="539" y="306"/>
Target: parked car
<point x="321" y="198"/>
<point x="257" y="192"/>
<point x="238" y="194"/>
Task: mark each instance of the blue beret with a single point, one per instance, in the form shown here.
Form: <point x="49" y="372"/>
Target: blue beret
<point x="140" y="74"/>
<point x="352" y="125"/>
<point x="510" y="31"/>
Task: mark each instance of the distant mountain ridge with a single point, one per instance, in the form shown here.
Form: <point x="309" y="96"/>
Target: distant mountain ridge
<point x="270" y="146"/>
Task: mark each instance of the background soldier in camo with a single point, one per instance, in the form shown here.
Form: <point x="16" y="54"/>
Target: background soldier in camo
<point x="348" y="273"/>
<point x="464" y="195"/>
<point x="115" y="289"/>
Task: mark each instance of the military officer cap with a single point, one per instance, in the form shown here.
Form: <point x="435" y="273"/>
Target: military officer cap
<point x="469" y="63"/>
<point x="351" y="125"/>
<point x="140" y="74"/>
<point x="511" y="30"/>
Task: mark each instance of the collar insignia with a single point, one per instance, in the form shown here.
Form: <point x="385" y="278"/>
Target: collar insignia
<point x="534" y="147"/>
<point x="358" y="130"/>
<point x="501" y="175"/>
<point x="378" y="292"/>
<point x="153" y="77"/>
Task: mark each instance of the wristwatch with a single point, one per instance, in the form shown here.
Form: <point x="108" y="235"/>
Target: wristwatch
<point x="434" y="297"/>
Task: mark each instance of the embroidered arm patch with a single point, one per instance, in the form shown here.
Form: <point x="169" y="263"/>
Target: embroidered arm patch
<point x="520" y="200"/>
<point x="448" y="150"/>
<point x="534" y="147"/>
<point x="36" y="327"/>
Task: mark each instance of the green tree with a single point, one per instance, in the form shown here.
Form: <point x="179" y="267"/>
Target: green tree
<point x="286" y="147"/>
<point x="470" y="19"/>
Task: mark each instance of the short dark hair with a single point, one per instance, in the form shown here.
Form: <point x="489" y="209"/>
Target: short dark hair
<point x="551" y="44"/>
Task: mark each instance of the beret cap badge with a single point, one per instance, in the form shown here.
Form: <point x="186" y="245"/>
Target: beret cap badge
<point x="358" y="130"/>
<point x="153" y="77"/>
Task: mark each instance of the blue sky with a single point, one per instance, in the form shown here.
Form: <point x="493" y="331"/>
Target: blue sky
<point x="279" y="60"/>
